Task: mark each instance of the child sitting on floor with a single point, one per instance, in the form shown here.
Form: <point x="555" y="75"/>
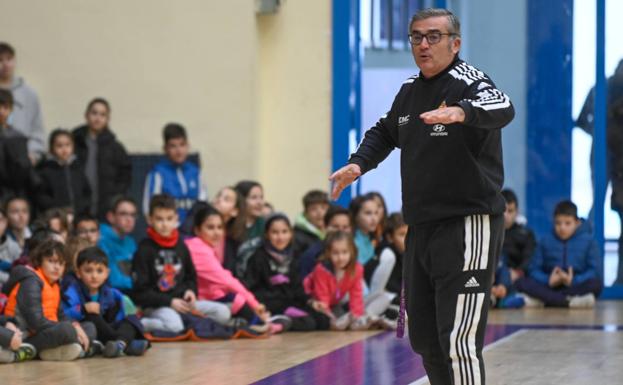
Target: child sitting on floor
<point x="564" y="268"/>
<point x="272" y="275"/>
<point x="337" y="275"/>
<point x="214" y="282"/>
<point x="309" y="225"/>
<point x="35" y="302"/>
<point x="90" y="298"/>
<point x="165" y="280"/>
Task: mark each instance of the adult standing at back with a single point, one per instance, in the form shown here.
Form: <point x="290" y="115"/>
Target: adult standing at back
<point x="26" y="116"/>
<point x="106" y="163"/>
<point x="614" y="148"/>
<point x="446" y="121"/>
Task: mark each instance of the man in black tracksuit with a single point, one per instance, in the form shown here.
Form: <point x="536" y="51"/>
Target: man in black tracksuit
<point x="447" y="123"/>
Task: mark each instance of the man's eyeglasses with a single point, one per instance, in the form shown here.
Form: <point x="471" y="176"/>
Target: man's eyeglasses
<point x="431" y="37"/>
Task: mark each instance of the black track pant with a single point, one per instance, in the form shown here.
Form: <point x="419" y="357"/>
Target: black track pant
<point x="124" y="331"/>
<point x="448" y="271"/>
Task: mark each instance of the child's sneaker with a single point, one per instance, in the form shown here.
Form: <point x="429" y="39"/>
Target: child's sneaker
<point x="284" y="320"/>
<point x="585" y="301"/>
<point x="531" y="301"/>
<point x="6" y="356"/>
<point x="493" y="301"/>
<point x="260" y="328"/>
<point x="276" y="328"/>
<point x="386" y="323"/>
<point x="361" y="323"/>
<point x="512" y="302"/>
<point x="26" y="352"/>
<point x="137" y="347"/>
<point x="95" y="348"/>
<point x="237" y="322"/>
<point x="67" y="352"/>
<point x="341" y="323"/>
<point x="114" y="349"/>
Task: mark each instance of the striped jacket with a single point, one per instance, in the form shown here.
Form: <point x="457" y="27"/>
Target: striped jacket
<point x="182" y="182"/>
<point x="450" y="170"/>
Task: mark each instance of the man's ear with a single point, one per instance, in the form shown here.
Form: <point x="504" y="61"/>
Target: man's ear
<point x="456" y="45"/>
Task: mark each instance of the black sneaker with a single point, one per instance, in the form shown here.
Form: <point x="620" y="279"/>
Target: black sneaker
<point x="283" y="320"/>
<point x="95" y="348"/>
<point x="25" y="352"/>
<point x="114" y="349"/>
<point x="137" y="348"/>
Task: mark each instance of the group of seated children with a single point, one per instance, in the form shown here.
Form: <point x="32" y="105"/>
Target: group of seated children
<point x="561" y="270"/>
<point x="82" y="286"/>
<point x="98" y="292"/>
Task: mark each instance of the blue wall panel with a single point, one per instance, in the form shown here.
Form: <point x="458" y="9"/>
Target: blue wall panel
<point x="549" y="121"/>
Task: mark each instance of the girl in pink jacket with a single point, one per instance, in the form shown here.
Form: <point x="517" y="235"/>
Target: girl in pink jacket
<point x="214" y="282"/>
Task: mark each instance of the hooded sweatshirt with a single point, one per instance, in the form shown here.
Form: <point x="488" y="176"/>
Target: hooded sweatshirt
<point x="305" y="235"/>
<point x="120" y="252"/>
<point x="580" y="252"/>
<point x="27" y="117"/>
<point x="213" y="280"/>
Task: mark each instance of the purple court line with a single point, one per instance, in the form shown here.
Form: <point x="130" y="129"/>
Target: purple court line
<point x="385" y="359"/>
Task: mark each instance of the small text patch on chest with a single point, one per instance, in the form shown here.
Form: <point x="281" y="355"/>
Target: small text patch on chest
<point x="402" y="120"/>
<point x="439" y="130"/>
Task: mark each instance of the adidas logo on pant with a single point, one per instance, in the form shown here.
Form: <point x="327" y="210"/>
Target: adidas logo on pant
<point x="472" y="283"/>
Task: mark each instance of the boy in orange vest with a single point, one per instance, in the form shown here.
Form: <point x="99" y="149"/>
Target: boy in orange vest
<point x="35" y="303"/>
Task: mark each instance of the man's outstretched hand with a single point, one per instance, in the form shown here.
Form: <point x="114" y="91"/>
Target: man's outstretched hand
<point x="342" y="178"/>
<point x="444" y="115"/>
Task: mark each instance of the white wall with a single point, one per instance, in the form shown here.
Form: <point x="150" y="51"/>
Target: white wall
<point x="253" y="91"/>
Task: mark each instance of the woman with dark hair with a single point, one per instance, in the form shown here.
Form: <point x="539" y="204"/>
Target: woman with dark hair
<point x="253" y="195"/>
<point x="231" y="204"/>
<point x="379" y="233"/>
<point x="106" y="162"/>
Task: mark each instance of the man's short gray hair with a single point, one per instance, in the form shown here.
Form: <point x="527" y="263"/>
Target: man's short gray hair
<point x="454" y="26"/>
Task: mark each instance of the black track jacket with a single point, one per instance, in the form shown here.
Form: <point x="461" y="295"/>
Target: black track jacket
<point x="447" y="170"/>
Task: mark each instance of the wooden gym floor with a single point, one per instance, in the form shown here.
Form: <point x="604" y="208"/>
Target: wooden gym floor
<point x="531" y="346"/>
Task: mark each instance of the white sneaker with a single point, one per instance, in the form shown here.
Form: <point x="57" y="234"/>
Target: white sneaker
<point x="341" y="323"/>
<point x="68" y="352"/>
<point x="531" y="301"/>
<point x="6" y="356"/>
<point x="386" y="324"/>
<point x="585" y="301"/>
<point x="362" y="323"/>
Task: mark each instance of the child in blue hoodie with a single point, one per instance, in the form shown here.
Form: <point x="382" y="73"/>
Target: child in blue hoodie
<point x="90" y="298"/>
<point x="565" y="267"/>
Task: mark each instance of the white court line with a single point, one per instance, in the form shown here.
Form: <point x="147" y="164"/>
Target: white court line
<point x="424" y="380"/>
